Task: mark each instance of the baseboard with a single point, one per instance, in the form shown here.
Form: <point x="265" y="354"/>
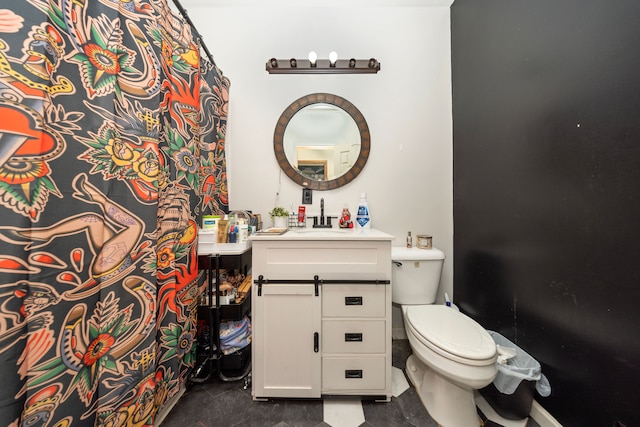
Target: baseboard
<point x="164" y="411"/>
<point x="542" y="417"/>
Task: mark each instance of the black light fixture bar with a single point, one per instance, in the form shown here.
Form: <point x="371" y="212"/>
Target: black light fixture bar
<point x="322" y="66"/>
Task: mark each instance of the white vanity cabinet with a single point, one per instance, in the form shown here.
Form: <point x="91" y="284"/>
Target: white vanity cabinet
<point x="321" y="314"/>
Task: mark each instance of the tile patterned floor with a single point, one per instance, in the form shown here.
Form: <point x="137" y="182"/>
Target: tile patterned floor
<point x="229" y="404"/>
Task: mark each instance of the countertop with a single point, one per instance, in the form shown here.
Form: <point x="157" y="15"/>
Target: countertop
<point x="301" y="234"/>
<point x="206" y="248"/>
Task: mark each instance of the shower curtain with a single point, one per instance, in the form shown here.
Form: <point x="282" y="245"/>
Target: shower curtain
<point x="111" y="149"/>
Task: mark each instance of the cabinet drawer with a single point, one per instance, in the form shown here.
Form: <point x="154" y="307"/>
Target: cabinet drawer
<point x="353" y="373"/>
<point x="354" y="300"/>
<point x="353" y="336"/>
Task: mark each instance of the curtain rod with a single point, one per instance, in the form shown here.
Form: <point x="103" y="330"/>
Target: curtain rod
<point x="184" y="13"/>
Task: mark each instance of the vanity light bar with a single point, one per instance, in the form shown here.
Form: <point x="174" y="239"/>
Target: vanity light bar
<point x="323" y="66"/>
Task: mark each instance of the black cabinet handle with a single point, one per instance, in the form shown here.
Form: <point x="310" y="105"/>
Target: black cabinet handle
<point x="353" y="373"/>
<point x="352" y="300"/>
<point x="353" y="337"/>
<point x="316" y="342"/>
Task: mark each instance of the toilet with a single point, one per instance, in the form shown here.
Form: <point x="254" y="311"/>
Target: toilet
<point x="452" y="354"/>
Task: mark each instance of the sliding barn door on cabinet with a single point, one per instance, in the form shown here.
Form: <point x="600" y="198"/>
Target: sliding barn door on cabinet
<point x="286" y="330"/>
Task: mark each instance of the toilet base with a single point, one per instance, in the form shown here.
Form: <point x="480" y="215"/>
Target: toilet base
<point x="449" y="404"/>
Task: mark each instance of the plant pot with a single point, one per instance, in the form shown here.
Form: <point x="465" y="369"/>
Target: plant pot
<point x="280" y="222"/>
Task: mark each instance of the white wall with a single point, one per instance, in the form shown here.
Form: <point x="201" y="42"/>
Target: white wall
<point x="407" y="105"/>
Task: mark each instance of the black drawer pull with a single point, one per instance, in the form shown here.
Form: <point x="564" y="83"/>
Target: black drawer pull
<point x="352" y="300"/>
<point x="353" y="373"/>
<point x="353" y="337"/>
<point x="316" y="342"/>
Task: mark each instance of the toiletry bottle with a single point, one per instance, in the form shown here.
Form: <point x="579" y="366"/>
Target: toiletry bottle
<point x="363" y="217"/>
<point x="345" y="218"/>
<point x="409" y="240"/>
<point x="243" y="233"/>
<point x="232" y="234"/>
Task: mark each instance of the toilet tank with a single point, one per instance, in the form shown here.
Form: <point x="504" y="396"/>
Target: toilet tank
<point x="415" y="275"/>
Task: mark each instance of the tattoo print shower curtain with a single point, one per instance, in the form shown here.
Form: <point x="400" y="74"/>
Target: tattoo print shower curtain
<point x="111" y="150"/>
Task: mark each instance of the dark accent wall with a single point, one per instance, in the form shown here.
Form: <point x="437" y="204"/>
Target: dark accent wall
<point x="546" y="119"/>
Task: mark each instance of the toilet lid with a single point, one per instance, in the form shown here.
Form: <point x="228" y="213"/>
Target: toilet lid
<point x="451" y="331"/>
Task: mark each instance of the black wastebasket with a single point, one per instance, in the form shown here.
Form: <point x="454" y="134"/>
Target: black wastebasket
<point x="511" y="393"/>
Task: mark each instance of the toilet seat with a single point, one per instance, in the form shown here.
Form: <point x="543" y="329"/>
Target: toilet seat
<point x="451" y="334"/>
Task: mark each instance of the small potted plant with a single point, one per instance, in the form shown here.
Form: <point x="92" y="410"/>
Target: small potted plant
<point x="279" y="215"/>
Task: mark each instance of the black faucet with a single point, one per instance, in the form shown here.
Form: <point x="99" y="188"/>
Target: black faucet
<point x="322" y="218"/>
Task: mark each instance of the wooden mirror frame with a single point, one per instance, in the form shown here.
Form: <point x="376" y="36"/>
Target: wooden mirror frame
<point x="283" y="121"/>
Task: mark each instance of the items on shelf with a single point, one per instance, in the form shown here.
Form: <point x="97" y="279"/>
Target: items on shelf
<point x="235" y="335"/>
<point x="244" y="289"/>
<point x="223" y="298"/>
<point x="234" y="288"/>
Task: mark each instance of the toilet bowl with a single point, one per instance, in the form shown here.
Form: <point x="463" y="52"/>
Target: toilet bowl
<point x="452" y="354"/>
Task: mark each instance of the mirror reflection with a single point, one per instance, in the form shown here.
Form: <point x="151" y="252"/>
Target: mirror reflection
<point x="321" y="141"/>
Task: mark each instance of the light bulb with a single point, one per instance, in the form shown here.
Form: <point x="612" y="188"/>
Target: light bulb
<point x="313" y="57"/>
<point x="333" y="57"/>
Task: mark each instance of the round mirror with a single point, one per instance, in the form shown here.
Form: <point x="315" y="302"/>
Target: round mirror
<point x="321" y="141"/>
